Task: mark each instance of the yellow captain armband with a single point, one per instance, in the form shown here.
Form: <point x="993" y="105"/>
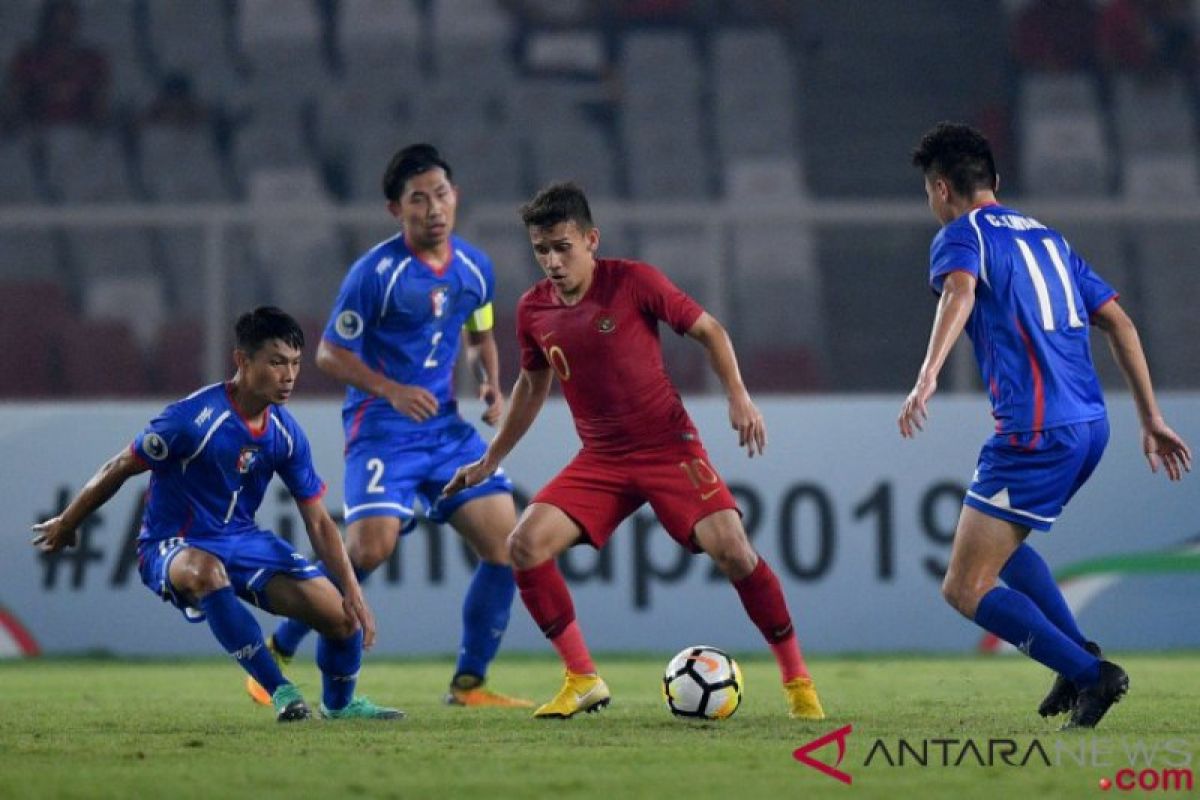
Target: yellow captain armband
<point x="481" y="319"/>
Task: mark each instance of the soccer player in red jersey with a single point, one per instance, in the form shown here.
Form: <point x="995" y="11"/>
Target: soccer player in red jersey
<point x="594" y="323"/>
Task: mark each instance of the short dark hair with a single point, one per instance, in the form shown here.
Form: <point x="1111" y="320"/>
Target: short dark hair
<point x="255" y="328"/>
<point x="959" y="154"/>
<point x="558" y="202"/>
<point x="409" y="162"/>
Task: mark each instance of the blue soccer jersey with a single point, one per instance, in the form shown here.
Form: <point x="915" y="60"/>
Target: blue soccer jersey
<point x="403" y="318"/>
<point x="211" y="470"/>
<point x="1029" y="327"/>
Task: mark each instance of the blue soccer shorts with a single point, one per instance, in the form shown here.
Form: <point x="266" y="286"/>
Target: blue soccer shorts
<point x="251" y="560"/>
<point x="386" y="475"/>
<point x="1027" y="478"/>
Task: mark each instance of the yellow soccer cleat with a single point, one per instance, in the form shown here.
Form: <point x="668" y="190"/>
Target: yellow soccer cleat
<point x="803" y="702"/>
<point x="579" y="693"/>
<point x="483" y="697"/>
<point x="257" y="693"/>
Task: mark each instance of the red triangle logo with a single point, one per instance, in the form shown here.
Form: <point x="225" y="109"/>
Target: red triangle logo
<point x="801" y="754"/>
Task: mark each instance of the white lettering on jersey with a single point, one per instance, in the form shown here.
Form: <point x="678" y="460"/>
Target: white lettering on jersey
<point x="1013" y="222"/>
<point x="384" y="265"/>
<point x="203" y="416"/>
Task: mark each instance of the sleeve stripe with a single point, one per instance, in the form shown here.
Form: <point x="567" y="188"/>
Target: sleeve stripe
<point x="314" y="498"/>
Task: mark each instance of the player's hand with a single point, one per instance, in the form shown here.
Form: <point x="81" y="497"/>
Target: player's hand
<point x="53" y="535"/>
<point x="1164" y="447"/>
<point x="914" y="412"/>
<point x="748" y="421"/>
<point x="469" y="475"/>
<point x="493" y="398"/>
<point x="415" y="402"/>
<point x="356" y="608"/>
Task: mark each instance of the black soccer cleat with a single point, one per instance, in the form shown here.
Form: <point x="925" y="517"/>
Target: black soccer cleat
<point x="1094" y="701"/>
<point x="1061" y="697"/>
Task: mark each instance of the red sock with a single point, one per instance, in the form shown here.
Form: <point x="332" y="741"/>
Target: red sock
<point x="764" y="602"/>
<point x="545" y="594"/>
<point x="573" y="650"/>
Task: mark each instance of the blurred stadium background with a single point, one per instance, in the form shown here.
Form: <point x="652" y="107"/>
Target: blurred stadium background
<point x="165" y="164"/>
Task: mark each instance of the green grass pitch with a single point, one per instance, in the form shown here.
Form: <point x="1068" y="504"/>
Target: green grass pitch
<point x="185" y="729"/>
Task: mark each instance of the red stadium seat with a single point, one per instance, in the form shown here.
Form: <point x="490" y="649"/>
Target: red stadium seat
<point x="178" y="362"/>
<point x="31" y="314"/>
<point x="101" y="358"/>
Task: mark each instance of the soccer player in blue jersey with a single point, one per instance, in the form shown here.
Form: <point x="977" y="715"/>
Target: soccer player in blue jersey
<point x="1025" y="298"/>
<point x="211" y="457"/>
<point x="393" y="338"/>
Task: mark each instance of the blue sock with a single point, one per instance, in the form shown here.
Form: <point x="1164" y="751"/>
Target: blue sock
<point x="339" y="661"/>
<point x="238" y="632"/>
<point x="485" y="617"/>
<point x="291" y="632"/>
<point x="1027" y="572"/>
<point x="1014" y="618"/>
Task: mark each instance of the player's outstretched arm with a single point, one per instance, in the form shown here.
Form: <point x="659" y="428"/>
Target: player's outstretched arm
<point x="327" y="544"/>
<point x="59" y="532"/>
<point x="744" y="416"/>
<point x="528" y="396"/>
<point x="341" y="364"/>
<point x="954" y="308"/>
<point x="1161" y="445"/>
<point x="484" y="359"/>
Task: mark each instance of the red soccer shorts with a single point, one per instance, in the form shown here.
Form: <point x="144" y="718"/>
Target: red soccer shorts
<point x="599" y="491"/>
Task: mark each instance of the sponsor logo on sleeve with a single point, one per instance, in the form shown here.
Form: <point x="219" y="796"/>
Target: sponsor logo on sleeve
<point x="349" y="324"/>
<point x="154" y="446"/>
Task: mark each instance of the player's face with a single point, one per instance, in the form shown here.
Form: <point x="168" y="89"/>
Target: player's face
<point x="426" y="209"/>
<point x="271" y="372"/>
<point x="567" y="255"/>
<point x="938" y="192"/>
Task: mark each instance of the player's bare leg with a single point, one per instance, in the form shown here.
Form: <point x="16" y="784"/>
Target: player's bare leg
<point x="541" y="534"/>
<point x="723" y="538"/>
<point x="370" y="541"/>
<point x="982" y="546"/>
<point x="200" y="577"/>
<point x="485" y="523"/>
<point x="318" y="603"/>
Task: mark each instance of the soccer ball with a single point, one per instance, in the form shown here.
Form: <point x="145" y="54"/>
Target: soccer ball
<point x="703" y="682"/>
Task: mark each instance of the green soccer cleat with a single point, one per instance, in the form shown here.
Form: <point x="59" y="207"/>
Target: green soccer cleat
<point x="360" y="708"/>
<point x="289" y="705"/>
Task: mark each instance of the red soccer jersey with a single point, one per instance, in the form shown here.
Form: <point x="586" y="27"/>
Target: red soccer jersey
<point x="607" y="355"/>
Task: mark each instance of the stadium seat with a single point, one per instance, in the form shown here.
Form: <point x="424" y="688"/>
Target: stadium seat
<point x="1153" y="176"/>
<point x="764" y="179"/>
<point x="779" y="369"/>
<point x="666" y="159"/>
<point x="31" y="254"/>
<point x="313" y="382"/>
<point x="112" y="27"/>
<point x="196" y="39"/>
<point x="19" y="183"/>
<point x="755" y="93"/>
<point x="101" y="358"/>
<point x="177" y="361"/>
<point x="1153" y="117"/>
<point x="181" y="165"/>
<point x="1064" y="150"/>
<point x="86" y="166"/>
<point x="139" y="300"/>
<point x="1170" y="292"/>
<point x="31" y="315"/>
<point x="577" y="150"/>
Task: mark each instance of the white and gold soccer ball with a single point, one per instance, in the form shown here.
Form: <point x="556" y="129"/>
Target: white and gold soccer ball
<point x="703" y="682"/>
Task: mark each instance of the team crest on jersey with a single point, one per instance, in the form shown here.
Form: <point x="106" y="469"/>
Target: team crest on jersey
<point x="437" y="299"/>
<point x="605" y="324"/>
<point x="349" y="324"/>
<point x="246" y="459"/>
<point x="154" y="446"/>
